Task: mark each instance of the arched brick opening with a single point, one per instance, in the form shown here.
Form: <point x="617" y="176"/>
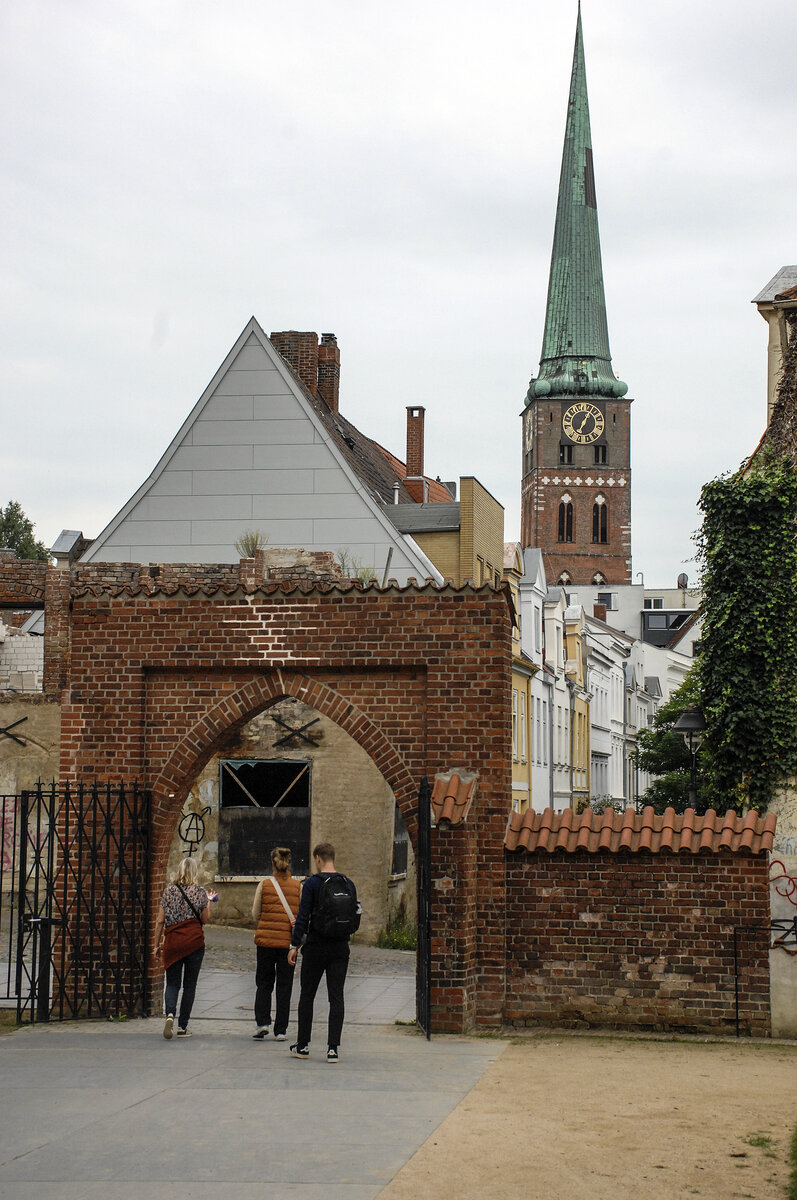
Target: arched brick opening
<point x="174" y="781"/>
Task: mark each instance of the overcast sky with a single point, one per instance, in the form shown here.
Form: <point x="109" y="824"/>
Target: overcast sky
<point x="387" y="173"/>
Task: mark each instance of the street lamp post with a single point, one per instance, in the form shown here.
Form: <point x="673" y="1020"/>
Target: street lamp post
<point x="691" y="725"/>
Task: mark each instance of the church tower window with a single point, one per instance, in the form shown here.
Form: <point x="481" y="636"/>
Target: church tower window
<point x="566" y="519"/>
<point x="600" y="521"/>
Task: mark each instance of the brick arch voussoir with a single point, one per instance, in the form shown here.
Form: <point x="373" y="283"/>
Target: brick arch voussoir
<point x="173" y="783"/>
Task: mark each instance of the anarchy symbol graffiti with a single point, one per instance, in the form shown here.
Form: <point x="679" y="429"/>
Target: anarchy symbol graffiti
<point x="192" y="829"/>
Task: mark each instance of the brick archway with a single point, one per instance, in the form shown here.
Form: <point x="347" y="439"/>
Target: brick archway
<point x="158" y="662"/>
<point x="178" y="773"/>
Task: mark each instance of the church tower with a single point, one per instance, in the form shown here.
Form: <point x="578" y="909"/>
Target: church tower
<point x="576" y="491"/>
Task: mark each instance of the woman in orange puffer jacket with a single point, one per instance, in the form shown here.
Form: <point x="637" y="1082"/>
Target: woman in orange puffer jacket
<point x="274" y="910"/>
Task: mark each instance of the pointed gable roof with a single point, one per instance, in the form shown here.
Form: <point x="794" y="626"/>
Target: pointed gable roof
<point x="257" y="452"/>
<point x="575" y="356"/>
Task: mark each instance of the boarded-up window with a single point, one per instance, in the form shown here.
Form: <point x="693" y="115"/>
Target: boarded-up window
<point x="263" y="804"/>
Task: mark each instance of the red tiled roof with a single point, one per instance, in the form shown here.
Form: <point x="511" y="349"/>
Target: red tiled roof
<point x="438" y="493"/>
<point x="452" y="795"/>
<point x="678" y="833"/>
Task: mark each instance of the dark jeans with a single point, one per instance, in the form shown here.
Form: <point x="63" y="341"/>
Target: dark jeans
<point x="186" y="972"/>
<point x="330" y="957"/>
<point x="273" y="961"/>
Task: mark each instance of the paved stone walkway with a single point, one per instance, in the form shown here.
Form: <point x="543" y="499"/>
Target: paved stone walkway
<point x="113" y="1112"/>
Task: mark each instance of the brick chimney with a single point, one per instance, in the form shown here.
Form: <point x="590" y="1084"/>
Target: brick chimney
<point x="300" y="351"/>
<point x="415" y="416"/>
<point x="329" y="370"/>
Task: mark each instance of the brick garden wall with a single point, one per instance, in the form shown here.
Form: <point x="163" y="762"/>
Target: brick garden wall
<point x="637" y="940"/>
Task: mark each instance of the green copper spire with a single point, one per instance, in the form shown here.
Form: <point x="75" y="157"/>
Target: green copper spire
<point x="575" y="357"/>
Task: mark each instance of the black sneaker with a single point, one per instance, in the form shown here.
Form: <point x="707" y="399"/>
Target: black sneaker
<point x="262" y="1032"/>
<point x="184" y="1033"/>
<point x="300" y="1051"/>
<point x="332" y="1054"/>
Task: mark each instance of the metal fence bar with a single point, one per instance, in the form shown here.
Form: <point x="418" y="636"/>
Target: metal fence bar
<point x="423" y="867"/>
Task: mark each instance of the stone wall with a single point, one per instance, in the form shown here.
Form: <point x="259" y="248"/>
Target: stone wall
<point x="40" y="730"/>
<point x="637" y="940"/>
<point x="21" y="660"/>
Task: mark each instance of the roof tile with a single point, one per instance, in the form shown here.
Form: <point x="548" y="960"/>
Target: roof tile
<point x="452" y="795"/>
<point x="684" y="833"/>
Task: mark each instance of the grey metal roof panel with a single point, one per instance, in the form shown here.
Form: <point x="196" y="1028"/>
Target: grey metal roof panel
<point x="424" y="518"/>
<point x="65" y="541"/>
<point x="786" y="278"/>
<point x="34" y="623"/>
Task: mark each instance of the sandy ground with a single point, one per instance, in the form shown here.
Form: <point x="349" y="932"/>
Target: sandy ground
<point x="561" y="1117"/>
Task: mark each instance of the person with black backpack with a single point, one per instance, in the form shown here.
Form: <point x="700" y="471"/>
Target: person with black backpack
<point x="329" y="913"/>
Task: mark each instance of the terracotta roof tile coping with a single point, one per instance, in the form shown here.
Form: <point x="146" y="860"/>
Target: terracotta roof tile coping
<point x="452" y="795"/>
<point x="148" y="588"/>
<point x="676" y="833"/>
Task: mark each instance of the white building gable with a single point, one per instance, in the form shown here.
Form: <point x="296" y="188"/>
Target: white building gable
<point x="254" y="455"/>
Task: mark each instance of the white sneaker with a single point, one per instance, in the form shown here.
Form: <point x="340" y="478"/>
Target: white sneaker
<point x="261" y="1032"/>
<point x="280" y="1037"/>
<point x="168" y="1027"/>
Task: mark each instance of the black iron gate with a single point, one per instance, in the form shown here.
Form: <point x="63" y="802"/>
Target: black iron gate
<point x="423" y="869"/>
<point x="74" y="901"/>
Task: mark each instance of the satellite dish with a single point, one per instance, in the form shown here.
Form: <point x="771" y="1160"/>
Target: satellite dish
<point x="683" y="580"/>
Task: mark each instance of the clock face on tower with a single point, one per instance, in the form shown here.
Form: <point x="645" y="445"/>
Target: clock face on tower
<point x="582" y="422"/>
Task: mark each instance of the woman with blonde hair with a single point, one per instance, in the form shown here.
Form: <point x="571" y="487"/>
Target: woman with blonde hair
<point x="180" y="938"/>
<point x="274" y="910"/>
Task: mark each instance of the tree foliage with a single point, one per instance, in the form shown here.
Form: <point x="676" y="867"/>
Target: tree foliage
<point x="16" y="533"/>
<point x="664" y="755"/>
<point x="748" y="666"/>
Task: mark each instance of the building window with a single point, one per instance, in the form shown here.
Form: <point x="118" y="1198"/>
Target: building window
<point x="263" y="804"/>
<point x="600" y="523"/>
<point x="522" y="727"/>
<point x="401" y="844"/>
<point x="480" y="570"/>
<point x="566" y="454"/>
<point x="653" y="602"/>
<point x="514" y="724"/>
<point x="565" y="521"/>
<point x="600" y="455"/>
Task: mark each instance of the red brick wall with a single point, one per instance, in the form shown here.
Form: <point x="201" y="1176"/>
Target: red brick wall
<point x="420" y="678"/>
<point x="642" y="940"/>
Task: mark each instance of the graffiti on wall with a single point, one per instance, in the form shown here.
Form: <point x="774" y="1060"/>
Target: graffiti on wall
<point x="785" y="884"/>
<point x="784" y="931"/>
<point x="8" y="832"/>
<point x="192" y="828"/>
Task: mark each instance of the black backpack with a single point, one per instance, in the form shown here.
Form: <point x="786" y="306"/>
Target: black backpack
<point x="336" y="913"/>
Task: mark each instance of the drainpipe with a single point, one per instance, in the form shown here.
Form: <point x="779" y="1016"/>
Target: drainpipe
<point x="551" y="698"/>
<point x="571" y="687"/>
